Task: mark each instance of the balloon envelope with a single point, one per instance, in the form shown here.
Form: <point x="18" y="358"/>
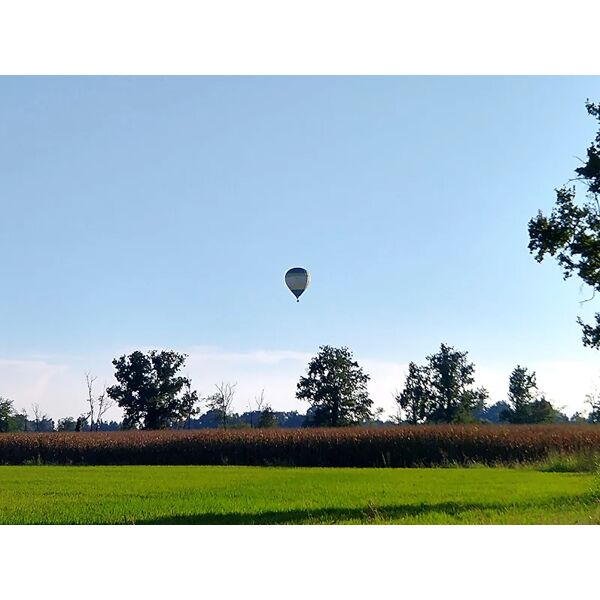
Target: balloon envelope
<point x="297" y="279"/>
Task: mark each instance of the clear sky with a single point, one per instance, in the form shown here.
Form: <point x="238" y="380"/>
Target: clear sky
<point x="163" y="213"/>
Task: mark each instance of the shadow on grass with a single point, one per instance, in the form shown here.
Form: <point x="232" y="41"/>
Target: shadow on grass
<point x="368" y="514"/>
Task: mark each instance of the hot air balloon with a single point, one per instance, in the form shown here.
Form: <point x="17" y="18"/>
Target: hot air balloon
<point x="297" y="279"/>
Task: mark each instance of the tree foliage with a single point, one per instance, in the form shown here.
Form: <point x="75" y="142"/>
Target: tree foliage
<point x="267" y="418"/>
<point x="522" y="392"/>
<point x="526" y="403"/>
<point x="442" y="390"/>
<point x="10" y="419"/>
<point x="415" y="398"/>
<point x="66" y="424"/>
<point x="571" y="233"/>
<point x="542" y="411"/>
<point x="451" y="375"/>
<point x="491" y="413"/>
<point x="336" y="388"/>
<point x="149" y="390"/>
<point x="41" y="421"/>
<point x="6" y="414"/>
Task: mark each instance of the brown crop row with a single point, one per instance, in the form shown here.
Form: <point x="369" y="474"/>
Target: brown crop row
<point x="403" y="446"/>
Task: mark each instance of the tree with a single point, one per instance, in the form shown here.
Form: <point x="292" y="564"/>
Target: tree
<point x="66" y="424"/>
<point x="452" y="376"/>
<point x="189" y="404"/>
<point x="522" y="392"/>
<point x="20" y="421"/>
<point x="578" y="418"/>
<point x="376" y="415"/>
<point x="264" y="414"/>
<point x="7" y="413"/>
<point x="542" y="411"/>
<point x="10" y="419"/>
<point x="526" y="404"/>
<point x="99" y="404"/>
<point x="493" y="413"/>
<point x="571" y="233"/>
<point x="42" y="422"/>
<point x="259" y="402"/>
<point x="558" y="414"/>
<point x="220" y="402"/>
<point x="266" y="417"/>
<point x="416" y="396"/>
<point x="149" y="390"/>
<point x="593" y="400"/>
<point x="336" y="388"/>
<point x="37" y="415"/>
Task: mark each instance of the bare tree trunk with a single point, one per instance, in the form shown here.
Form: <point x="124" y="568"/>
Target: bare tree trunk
<point x="223" y="399"/>
<point x="99" y="405"/>
<point x="37" y="414"/>
<point x="89" y="380"/>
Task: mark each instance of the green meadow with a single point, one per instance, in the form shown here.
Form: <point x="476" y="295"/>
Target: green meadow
<point x="259" y="495"/>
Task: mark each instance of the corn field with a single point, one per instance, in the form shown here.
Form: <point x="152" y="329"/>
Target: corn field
<point x="402" y="446"/>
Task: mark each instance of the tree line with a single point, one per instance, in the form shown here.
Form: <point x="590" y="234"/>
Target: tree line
<point x="153" y="395"/>
<point x="440" y="391"/>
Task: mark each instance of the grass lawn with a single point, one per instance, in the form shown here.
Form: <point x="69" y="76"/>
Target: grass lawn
<point x="269" y="495"/>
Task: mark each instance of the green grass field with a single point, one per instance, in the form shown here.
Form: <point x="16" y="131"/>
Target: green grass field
<point x="255" y="495"/>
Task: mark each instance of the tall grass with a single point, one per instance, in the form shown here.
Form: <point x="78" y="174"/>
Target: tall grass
<point x="583" y="461"/>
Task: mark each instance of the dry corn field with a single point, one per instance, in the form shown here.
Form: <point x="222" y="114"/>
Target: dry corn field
<point x="402" y="446"/>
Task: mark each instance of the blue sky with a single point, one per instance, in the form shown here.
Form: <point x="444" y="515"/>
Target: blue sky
<point x="163" y="212"/>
